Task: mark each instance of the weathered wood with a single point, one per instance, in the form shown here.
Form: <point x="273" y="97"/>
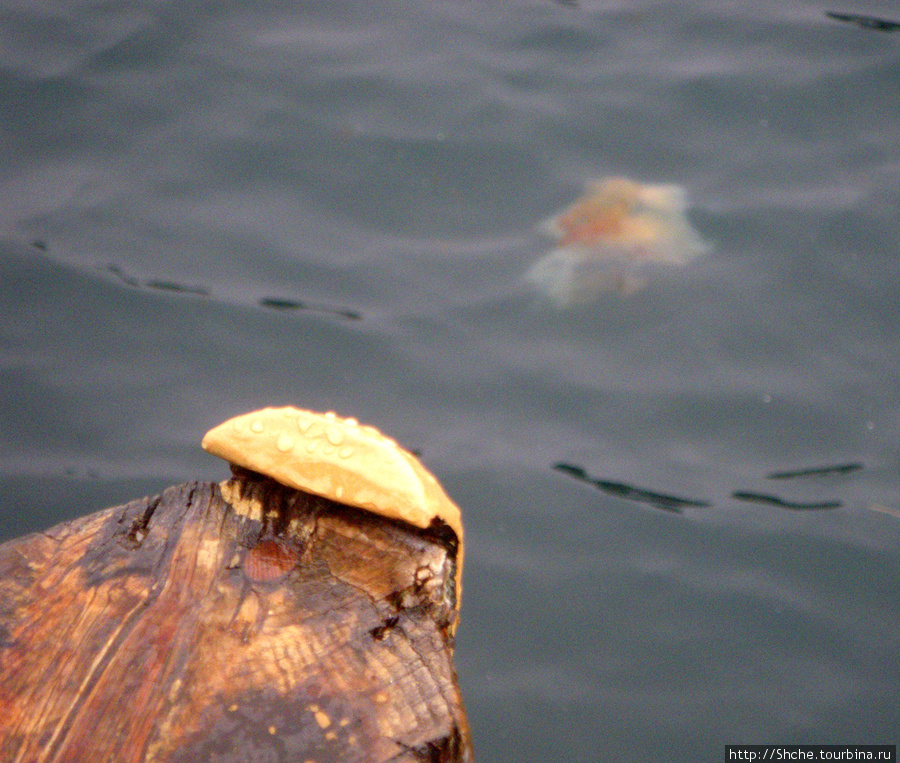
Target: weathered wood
<point x="244" y="621"/>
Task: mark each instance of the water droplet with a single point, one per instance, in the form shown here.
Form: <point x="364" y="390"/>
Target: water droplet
<point x="257" y="426"/>
<point x="334" y="434"/>
<point x="303" y="424"/>
<point x="346" y="451"/>
<point x="284" y="443"/>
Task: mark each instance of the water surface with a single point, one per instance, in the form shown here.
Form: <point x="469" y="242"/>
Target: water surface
<point x="210" y="209"/>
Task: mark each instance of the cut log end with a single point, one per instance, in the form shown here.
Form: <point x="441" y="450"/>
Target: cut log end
<point x="242" y="621"/>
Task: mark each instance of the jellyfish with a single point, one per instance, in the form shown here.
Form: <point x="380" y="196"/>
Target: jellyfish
<point x="610" y="239"/>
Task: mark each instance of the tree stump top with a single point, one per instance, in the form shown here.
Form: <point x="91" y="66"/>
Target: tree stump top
<point x="233" y="622"/>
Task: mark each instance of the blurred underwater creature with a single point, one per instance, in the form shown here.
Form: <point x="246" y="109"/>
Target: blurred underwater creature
<point x="610" y="237"/>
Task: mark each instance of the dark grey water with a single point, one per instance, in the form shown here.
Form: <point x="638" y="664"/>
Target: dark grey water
<point x="179" y="179"/>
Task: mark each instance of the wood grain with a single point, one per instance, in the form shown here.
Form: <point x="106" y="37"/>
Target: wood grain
<point x="238" y="622"/>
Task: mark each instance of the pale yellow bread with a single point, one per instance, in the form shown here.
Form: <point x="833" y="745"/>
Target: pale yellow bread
<point x="339" y="459"/>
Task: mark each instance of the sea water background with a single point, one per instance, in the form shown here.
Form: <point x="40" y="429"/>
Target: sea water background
<point x="167" y="167"/>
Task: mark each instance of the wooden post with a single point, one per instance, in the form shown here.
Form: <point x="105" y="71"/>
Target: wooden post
<point x="246" y="621"/>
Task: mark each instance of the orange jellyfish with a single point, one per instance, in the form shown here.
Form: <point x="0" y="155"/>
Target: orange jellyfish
<point x="611" y="237"/>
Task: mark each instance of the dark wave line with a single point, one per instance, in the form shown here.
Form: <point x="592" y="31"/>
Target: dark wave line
<point x="866" y="22"/>
<point x="816" y="471"/>
<point x="671" y="503"/>
<point x="781" y="503"/>
<point x="270" y="303"/>
<point x="275" y="303"/>
<point x="178" y="288"/>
